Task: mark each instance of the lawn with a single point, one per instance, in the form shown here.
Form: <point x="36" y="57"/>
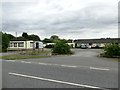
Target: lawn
<point x="18" y="56"/>
<point x="27" y="55"/>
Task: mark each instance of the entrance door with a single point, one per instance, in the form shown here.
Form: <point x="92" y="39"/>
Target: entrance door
<point x="37" y="45"/>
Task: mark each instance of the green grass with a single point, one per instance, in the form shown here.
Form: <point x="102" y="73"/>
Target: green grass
<point x="36" y="52"/>
<point x="27" y="55"/>
<point x="117" y="60"/>
<point x="18" y="56"/>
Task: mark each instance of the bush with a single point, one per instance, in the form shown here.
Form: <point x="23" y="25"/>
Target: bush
<point x="61" y="48"/>
<point x="49" y="46"/>
<point x="112" y="50"/>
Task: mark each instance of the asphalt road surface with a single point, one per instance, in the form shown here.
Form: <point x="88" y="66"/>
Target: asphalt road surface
<point x="81" y="70"/>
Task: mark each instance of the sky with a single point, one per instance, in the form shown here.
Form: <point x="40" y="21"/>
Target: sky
<point x="69" y="19"/>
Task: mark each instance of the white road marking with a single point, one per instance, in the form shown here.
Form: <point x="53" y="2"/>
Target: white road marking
<point x="10" y="60"/>
<point x="25" y="62"/>
<point x="99" y="68"/>
<point x="69" y="66"/>
<point x="53" y="80"/>
<point x="44" y="63"/>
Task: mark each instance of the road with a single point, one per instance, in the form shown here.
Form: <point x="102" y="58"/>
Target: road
<point x="81" y="70"/>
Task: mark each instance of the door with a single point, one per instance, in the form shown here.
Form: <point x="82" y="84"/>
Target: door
<point x="37" y="45"/>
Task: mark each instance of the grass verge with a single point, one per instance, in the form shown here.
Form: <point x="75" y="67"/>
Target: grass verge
<point x="18" y="56"/>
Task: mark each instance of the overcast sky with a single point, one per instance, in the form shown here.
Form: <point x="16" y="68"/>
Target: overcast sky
<point x="69" y="19"/>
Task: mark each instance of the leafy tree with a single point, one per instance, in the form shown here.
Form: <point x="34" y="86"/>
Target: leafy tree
<point x="112" y="49"/>
<point x="5" y="42"/>
<point x="61" y="48"/>
<point x="64" y="40"/>
<point x="49" y="46"/>
<point x="54" y="37"/>
<point x="25" y="35"/>
<point x="47" y="40"/>
<point x="34" y="37"/>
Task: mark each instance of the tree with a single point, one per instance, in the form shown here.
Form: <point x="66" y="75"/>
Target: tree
<point x="54" y="37"/>
<point x="25" y="35"/>
<point x="34" y="37"/>
<point x="61" y="48"/>
<point x="5" y="42"/>
<point x="64" y="40"/>
<point x="47" y="40"/>
<point x="10" y="36"/>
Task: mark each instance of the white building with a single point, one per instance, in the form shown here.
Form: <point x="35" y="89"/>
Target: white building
<point x="25" y="45"/>
<point x="71" y="44"/>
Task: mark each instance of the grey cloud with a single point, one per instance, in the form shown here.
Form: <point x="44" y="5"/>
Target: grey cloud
<point x="77" y="22"/>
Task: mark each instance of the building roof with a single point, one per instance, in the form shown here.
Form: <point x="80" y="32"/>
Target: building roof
<point x="102" y="40"/>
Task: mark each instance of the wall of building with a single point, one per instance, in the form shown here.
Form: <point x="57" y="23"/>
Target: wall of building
<point x="25" y="45"/>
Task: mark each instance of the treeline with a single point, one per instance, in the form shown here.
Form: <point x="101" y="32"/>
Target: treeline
<point x="55" y="38"/>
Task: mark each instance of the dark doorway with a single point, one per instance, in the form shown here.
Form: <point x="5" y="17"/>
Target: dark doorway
<point x="37" y="45"/>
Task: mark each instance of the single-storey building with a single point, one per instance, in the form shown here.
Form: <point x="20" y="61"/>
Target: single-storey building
<point x="24" y="44"/>
<point x="95" y="42"/>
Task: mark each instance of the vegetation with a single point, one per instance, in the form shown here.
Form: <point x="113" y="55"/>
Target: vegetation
<point x="55" y="38"/>
<point x="5" y="41"/>
<point x="47" y="41"/>
<point x="37" y="52"/>
<point x="29" y="37"/>
<point x="18" y="56"/>
<point x="111" y="50"/>
<point x="49" y="46"/>
<point x="25" y="35"/>
<point x="61" y="48"/>
<point x="27" y="55"/>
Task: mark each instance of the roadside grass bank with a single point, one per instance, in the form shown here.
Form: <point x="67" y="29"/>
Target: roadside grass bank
<point x="114" y="58"/>
<point x="117" y="60"/>
<point x="27" y="55"/>
<point x="17" y="56"/>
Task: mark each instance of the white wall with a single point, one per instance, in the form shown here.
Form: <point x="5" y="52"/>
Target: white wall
<point x="26" y="44"/>
<point x="17" y="44"/>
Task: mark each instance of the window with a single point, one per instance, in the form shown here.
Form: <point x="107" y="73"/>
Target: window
<point x="31" y="44"/>
<point x="21" y="44"/>
<point x="15" y="44"/>
<point x="11" y="45"/>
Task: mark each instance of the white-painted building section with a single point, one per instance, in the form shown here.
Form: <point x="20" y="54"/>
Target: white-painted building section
<point x="97" y="45"/>
<point x="50" y="43"/>
<point x="25" y="45"/>
<point x="71" y="44"/>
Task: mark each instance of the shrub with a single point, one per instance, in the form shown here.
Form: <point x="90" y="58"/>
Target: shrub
<point x="61" y="48"/>
<point x="49" y="46"/>
<point x="112" y="50"/>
